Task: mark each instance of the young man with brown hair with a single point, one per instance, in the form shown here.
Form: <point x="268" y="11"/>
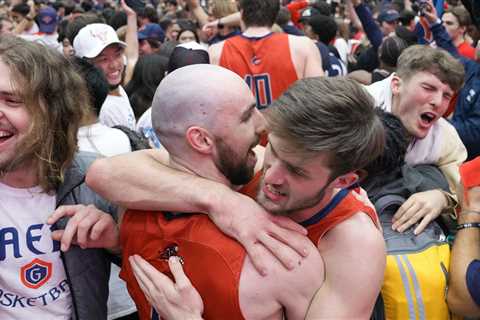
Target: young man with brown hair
<point x="419" y="93"/>
<point x="42" y="101"/>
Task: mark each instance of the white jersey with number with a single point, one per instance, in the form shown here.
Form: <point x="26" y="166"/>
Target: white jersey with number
<point x="33" y="282"/>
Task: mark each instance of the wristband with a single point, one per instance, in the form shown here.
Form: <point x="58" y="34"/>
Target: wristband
<point x="468" y="225"/>
<point x="219" y="24"/>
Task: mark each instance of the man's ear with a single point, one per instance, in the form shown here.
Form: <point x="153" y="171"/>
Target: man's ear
<point x="199" y="139"/>
<point x="346" y="180"/>
<point x="395" y="85"/>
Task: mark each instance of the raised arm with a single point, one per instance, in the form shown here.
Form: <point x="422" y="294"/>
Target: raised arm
<point x="198" y="12"/>
<point x="139" y="180"/>
<point x="131" y="52"/>
<point x="371" y="28"/>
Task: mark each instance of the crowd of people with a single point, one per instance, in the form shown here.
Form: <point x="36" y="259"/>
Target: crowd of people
<point x="239" y="159"/>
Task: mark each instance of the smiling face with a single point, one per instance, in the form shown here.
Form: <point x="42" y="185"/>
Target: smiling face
<point x="420" y="101"/>
<point x="14" y="119"/>
<point x="110" y="61"/>
<point x="292" y="183"/>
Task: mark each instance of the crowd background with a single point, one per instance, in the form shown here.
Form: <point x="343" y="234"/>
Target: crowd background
<point x="359" y="39"/>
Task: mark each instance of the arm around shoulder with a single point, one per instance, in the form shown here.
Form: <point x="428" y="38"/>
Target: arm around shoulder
<point x="142" y="180"/>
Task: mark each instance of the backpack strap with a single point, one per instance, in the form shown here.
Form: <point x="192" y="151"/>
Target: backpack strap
<point x="387" y="201"/>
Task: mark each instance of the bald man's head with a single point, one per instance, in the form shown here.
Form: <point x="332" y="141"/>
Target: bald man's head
<point x="196" y="95"/>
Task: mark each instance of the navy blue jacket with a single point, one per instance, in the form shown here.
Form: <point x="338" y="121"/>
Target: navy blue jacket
<point x="368" y="60"/>
<point x="466" y="117"/>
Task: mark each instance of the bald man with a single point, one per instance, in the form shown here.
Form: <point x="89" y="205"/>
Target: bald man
<point x="310" y="163"/>
<point x="212" y="135"/>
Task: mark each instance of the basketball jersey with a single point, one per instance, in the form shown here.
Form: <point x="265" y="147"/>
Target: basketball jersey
<point x="212" y="260"/>
<point x="265" y="63"/>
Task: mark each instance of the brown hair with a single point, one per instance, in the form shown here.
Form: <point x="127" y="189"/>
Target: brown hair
<point x="56" y="98"/>
<point x="438" y="62"/>
<point x="461" y="14"/>
<point x="259" y="13"/>
<point x="332" y="115"/>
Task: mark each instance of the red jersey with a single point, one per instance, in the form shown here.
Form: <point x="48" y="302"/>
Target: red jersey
<point x="265" y="63"/>
<point x="466" y="50"/>
<point x="212" y="260"/>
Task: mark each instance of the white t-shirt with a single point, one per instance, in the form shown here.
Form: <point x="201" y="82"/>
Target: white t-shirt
<point x="342" y="47"/>
<point x="99" y="138"/>
<point x="33" y="282"/>
<point x="116" y="110"/>
<point x="107" y="142"/>
<point x="145" y="127"/>
<point x="49" y="40"/>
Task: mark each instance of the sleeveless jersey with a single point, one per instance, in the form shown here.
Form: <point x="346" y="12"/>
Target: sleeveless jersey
<point x="265" y="63"/>
<point x="212" y="260"/>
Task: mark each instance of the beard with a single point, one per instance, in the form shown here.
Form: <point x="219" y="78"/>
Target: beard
<point x="231" y="165"/>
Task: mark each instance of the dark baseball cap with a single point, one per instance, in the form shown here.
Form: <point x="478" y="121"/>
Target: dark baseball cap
<point x="388" y="15"/>
<point x="151" y="31"/>
<point x="186" y="54"/>
<point x="47" y="20"/>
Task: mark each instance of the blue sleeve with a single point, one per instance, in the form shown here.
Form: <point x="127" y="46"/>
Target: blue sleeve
<point x="473" y="280"/>
<point x="443" y="40"/>
<point x="466" y="118"/>
<point x="374" y="34"/>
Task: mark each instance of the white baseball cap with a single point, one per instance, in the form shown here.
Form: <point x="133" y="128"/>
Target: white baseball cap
<point x="93" y="38"/>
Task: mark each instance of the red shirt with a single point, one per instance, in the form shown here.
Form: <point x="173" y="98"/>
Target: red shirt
<point x="212" y="260"/>
<point x="264" y="63"/>
<point x="466" y="50"/>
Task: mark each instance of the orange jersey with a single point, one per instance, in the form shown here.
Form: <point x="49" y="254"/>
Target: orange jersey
<point x="265" y="63"/>
<point x="212" y="260"/>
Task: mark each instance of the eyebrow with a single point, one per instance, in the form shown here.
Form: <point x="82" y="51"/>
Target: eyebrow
<point x="288" y="164"/>
<point x="246" y="114"/>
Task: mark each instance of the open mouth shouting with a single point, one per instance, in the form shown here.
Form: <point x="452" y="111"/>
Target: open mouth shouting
<point x="427" y="119"/>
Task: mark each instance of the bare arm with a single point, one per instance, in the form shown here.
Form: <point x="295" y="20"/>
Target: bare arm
<point x="306" y="57"/>
<point x="354" y="255"/>
<point x="466" y="248"/>
<point x="313" y="66"/>
<point x="198" y="12"/>
<point x="150" y="185"/>
<point x="131" y="52"/>
<point x="353" y="14"/>
<point x="215" y="51"/>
